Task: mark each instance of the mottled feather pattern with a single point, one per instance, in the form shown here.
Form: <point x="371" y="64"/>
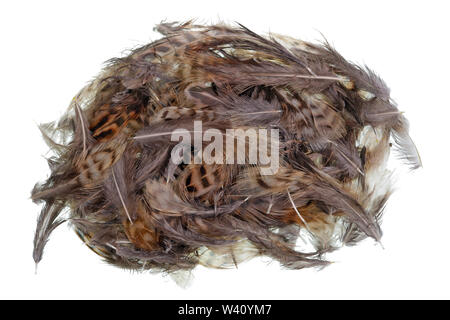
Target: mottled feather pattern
<point x="113" y="180"/>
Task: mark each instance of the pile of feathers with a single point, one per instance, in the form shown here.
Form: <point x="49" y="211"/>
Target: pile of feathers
<point x="113" y="180"/>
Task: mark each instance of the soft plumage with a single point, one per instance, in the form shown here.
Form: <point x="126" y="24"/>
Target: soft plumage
<point x="131" y="205"/>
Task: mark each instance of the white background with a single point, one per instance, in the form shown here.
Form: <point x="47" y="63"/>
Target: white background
<point x="49" y="50"/>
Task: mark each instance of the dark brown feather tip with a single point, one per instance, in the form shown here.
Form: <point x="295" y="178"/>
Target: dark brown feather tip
<point x="112" y="170"/>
